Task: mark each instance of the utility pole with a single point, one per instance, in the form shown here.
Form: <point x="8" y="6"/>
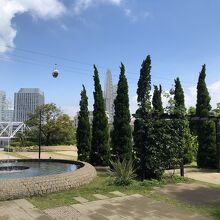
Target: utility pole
<point x="39" y="137"/>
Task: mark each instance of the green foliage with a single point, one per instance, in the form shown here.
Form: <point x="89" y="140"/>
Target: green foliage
<point x="156" y="100"/>
<point x="191" y="145"/>
<point x="83" y="133"/>
<point x="123" y="172"/>
<point x="121" y="133"/>
<point x="217" y="110"/>
<point x="192" y="124"/>
<point x="141" y="126"/>
<point x="203" y="106"/>
<point x="207" y="152"/>
<point x="100" y="150"/>
<point x="56" y="128"/>
<point x="21" y="140"/>
<point x="179" y="98"/>
<point x="144" y="85"/>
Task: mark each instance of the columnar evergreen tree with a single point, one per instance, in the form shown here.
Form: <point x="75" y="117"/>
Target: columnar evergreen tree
<point x="100" y="150"/>
<point x="141" y="126"/>
<point x="121" y="134"/>
<point x="179" y="97"/>
<point x="83" y="133"/>
<point x="144" y="86"/>
<point x="156" y="100"/>
<point x="207" y="152"/>
<point x="189" y="144"/>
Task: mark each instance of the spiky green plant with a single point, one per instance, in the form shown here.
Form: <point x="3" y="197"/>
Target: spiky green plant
<point x="123" y="172"/>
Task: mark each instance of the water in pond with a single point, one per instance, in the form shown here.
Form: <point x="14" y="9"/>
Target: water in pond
<point x="35" y="168"/>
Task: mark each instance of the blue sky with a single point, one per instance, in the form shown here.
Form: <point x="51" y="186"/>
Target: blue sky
<point x="179" y="35"/>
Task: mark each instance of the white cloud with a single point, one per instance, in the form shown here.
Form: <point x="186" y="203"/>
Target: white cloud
<point x="10" y="8"/>
<point x="128" y="12"/>
<point x="70" y="110"/>
<point x="214" y="92"/>
<point x="82" y="5"/>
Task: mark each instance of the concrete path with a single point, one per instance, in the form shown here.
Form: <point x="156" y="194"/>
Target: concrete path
<point x="21" y="210"/>
<point x="4" y="155"/>
<point x="205" y="175"/>
<point x="195" y="194"/>
<point x="53" y="155"/>
<point x="44" y="155"/>
<point x="133" y="207"/>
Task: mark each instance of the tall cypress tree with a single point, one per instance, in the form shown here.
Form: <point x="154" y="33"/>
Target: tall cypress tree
<point x="157" y="101"/>
<point x="121" y="134"/>
<point x="207" y="152"/>
<point x="83" y="133"/>
<point x="144" y="86"/>
<point x="100" y="150"/>
<point x="179" y="97"/>
<point x="141" y="127"/>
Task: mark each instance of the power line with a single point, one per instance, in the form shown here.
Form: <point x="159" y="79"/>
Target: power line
<point x="75" y="61"/>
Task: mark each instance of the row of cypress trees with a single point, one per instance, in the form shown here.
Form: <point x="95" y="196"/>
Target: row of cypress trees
<point x="95" y="148"/>
<point x="155" y="141"/>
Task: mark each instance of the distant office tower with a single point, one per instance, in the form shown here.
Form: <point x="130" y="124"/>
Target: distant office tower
<point x="9" y="111"/>
<point x="2" y="105"/>
<point x="6" y="110"/>
<point x="109" y="96"/>
<point x="26" y="101"/>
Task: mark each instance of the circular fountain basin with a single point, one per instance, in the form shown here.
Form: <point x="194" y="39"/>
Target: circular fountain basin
<point x="29" y="177"/>
<point x="21" y="169"/>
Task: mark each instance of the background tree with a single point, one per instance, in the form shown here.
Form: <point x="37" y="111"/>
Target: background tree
<point x="207" y="152"/>
<point x="217" y="110"/>
<point x="83" y="133"/>
<point x="100" y="150"/>
<point x="157" y="101"/>
<point x="57" y="127"/>
<point x="121" y="134"/>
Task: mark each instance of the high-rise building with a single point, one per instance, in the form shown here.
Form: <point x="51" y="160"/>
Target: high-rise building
<point x="2" y="105"/>
<point x="109" y="95"/>
<point x="6" y="110"/>
<point x="26" y="100"/>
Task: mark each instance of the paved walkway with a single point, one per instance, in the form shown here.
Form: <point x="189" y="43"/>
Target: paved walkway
<point x="133" y="207"/>
<point x="204" y="175"/>
<point x="68" y="155"/>
<point x="195" y="194"/>
<point x="21" y="210"/>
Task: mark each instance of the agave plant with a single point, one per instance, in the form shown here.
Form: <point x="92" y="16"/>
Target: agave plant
<point x="123" y="172"/>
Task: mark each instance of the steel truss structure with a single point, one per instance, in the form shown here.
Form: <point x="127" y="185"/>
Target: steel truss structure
<point x="8" y="130"/>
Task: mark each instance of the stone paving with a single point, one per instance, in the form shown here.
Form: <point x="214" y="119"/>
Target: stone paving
<point x="195" y="194"/>
<point x="21" y="210"/>
<point x="133" y="207"/>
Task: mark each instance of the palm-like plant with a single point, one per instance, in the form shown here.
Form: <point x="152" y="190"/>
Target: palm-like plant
<point x="123" y="172"/>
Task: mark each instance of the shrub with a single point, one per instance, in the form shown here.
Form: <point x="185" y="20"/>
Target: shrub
<point x="122" y="172"/>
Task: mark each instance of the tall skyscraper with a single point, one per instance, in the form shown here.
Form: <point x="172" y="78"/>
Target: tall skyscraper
<point x="26" y="101"/>
<point x="109" y="95"/>
<point x="2" y="105"/>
